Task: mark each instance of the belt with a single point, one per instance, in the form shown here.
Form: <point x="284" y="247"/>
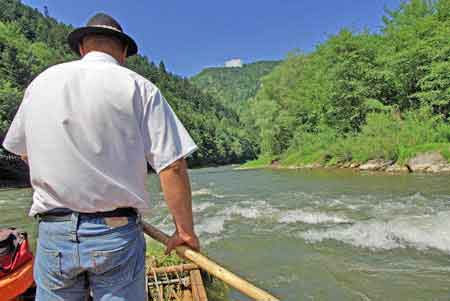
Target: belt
<point x="67" y="214"/>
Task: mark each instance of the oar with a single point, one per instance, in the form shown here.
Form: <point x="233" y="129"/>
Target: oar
<point x="211" y="267"/>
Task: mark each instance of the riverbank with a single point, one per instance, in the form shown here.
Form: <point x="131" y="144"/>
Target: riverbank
<point x="427" y="158"/>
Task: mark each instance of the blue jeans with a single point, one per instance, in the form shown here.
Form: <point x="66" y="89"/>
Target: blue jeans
<point x="90" y="255"/>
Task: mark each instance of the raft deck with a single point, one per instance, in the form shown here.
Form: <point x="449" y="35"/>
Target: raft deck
<point x="175" y="283"/>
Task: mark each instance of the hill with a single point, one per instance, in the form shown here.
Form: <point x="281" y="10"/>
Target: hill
<point x="31" y="41"/>
<point x="233" y="85"/>
<point x="361" y="96"/>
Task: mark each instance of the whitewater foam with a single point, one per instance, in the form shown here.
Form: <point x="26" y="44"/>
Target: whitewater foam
<point x="211" y="225"/>
<point x="419" y="232"/>
<point x="202" y="191"/>
<point x="250" y="209"/>
<point x="216" y="223"/>
<point x="206" y="191"/>
<point x="294" y="216"/>
<point x="199" y="207"/>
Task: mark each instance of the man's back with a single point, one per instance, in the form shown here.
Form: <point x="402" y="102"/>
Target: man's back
<point x="83" y="136"/>
<point x="90" y="125"/>
<point x="87" y="129"/>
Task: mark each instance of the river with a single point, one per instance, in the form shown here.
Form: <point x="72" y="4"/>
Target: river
<point x="313" y="235"/>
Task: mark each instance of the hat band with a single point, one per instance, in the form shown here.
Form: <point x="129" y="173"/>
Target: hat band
<point x="106" y="26"/>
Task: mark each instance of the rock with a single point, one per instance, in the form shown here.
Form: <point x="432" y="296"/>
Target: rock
<point x="376" y="165"/>
<point x="355" y="165"/>
<point x="445" y="168"/>
<point x="429" y="162"/>
<point x="312" y="165"/>
<point x="346" y="165"/>
<point x="397" y="168"/>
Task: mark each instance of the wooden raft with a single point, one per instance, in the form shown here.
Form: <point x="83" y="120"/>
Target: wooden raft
<point x="175" y="283"/>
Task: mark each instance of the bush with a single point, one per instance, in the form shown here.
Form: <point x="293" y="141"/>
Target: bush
<point x="310" y="147"/>
<point x="262" y="161"/>
<point x="385" y="135"/>
<point x="389" y="136"/>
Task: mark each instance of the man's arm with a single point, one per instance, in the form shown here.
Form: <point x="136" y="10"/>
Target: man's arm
<point x="177" y="193"/>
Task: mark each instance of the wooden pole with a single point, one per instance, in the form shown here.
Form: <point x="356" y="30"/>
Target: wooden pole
<point x="211" y="267"/>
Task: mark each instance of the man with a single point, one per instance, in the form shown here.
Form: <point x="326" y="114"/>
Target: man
<point x="87" y="129"/>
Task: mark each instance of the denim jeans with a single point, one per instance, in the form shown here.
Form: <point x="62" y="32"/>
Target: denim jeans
<point x="90" y="255"/>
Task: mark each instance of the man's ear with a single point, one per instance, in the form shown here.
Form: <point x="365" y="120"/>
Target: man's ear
<point x="81" y="49"/>
<point x="124" y="54"/>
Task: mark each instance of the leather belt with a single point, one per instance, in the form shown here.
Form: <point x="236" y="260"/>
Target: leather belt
<point x="66" y="215"/>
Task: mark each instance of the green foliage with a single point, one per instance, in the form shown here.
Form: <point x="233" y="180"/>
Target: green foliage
<point x="155" y="252"/>
<point x="217" y="290"/>
<point x="9" y="97"/>
<point x="360" y="95"/>
<point x="384" y="136"/>
<point x="387" y="136"/>
<point x="262" y="161"/>
<point x="30" y="42"/>
<point x="308" y="147"/>
<point x="407" y="153"/>
<point x="233" y="86"/>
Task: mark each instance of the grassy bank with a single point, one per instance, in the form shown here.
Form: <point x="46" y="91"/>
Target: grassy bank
<point x="216" y="289"/>
<point x="261" y="162"/>
<point x="385" y="135"/>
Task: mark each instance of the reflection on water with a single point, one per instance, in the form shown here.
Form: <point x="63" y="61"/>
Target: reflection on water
<point x="314" y="235"/>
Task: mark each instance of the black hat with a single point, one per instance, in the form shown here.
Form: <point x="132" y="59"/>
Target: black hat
<point x="105" y="25"/>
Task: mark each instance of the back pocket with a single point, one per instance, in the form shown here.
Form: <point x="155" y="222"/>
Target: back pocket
<point x="49" y="268"/>
<point x="117" y="266"/>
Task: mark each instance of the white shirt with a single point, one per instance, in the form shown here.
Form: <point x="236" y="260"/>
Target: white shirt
<point x="88" y="127"/>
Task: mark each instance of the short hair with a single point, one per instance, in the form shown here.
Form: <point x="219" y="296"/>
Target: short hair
<point x="102" y="39"/>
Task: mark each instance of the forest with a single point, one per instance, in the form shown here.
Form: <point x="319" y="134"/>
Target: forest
<point x="360" y="95"/>
<point x="31" y="41"/>
<point x="233" y="86"/>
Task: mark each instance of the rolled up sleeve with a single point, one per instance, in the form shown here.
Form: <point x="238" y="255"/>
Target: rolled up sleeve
<point x="165" y="138"/>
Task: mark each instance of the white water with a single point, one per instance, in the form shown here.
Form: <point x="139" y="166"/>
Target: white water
<point x="312" y="235"/>
<point x="419" y="232"/>
<point x="294" y="216"/>
<point x="395" y="224"/>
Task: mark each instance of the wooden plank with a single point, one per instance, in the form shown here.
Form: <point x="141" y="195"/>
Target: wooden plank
<point x="174" y="269"/>
<point x="187" y="295"/>
<point x="198" y="289"/>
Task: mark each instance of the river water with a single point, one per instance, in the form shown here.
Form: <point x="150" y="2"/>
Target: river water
<point x="313" y="235"/>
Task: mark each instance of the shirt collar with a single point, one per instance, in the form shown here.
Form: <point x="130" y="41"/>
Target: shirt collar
<point x="97" y="56"/>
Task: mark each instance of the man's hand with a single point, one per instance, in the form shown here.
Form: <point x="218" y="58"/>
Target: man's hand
<point x="176" y="240"/>
<point x="177" y="193"/>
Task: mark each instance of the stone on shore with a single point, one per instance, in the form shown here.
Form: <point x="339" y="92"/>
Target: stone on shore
<point x="429" y="162"/>
<point x="376" y="165"/>
<point x="355" y="165"/>
<point x="397" y="168"/>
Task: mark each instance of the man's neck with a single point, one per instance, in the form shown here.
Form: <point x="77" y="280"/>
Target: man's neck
<point x="99" y="56"/>
<point x="106" y="51"/>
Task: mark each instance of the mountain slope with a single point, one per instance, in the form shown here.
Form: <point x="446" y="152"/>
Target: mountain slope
<point x="235" y="85"/>
<point x="31" y="41"/>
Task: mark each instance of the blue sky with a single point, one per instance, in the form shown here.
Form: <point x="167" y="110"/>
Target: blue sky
<point x="192" y="35"/>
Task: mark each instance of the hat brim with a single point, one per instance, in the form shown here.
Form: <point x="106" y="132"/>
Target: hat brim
<point x="76" y="37"/>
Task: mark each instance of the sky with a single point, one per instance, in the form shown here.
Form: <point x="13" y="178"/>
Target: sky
<point x="190" y="35"/>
